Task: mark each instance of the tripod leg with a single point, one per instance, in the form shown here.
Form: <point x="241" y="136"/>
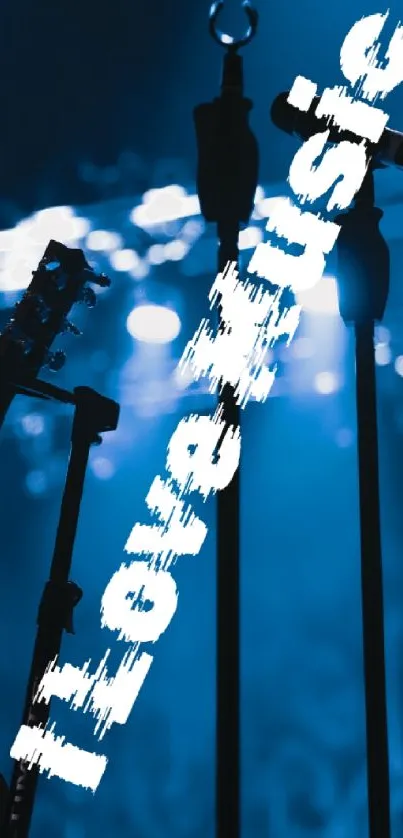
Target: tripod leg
<point x="94" y="414"/>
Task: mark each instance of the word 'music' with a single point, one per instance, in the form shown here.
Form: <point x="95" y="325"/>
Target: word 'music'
<point x="254" y="318"/>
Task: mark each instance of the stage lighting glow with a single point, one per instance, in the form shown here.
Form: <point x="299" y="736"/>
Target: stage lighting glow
<point x="36" y="483"/>
<point x="33" y="424"/>
<point x="326" y="383"/>
<point x="193" y="229"/>
<point x="23" y="246"/>
<point x="383" y="355"/>
<point x="124" y="260"/>
<point x="302" y="348"/>
<point x="60" y="223"/>
<point x="322" y="298"/>
<point x="250" y="238"/>
<point x="156" y="254"/>
<point x="182" y="377"/>
<point x="176" y="250"/>
<point x="153" y="324"/>
<point x="399" y="365"/>
<point x="140" y="271"/>
<point x="265" y="206"/>
<point x="103" y="240"/>
<point x="102" y="468"/>
<point x="382" y="335"/>
<point x="7" y="240"/>
<point x="162" y="205"/>
<point x="17" y="268"/>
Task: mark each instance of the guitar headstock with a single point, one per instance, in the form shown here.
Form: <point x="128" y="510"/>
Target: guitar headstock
<point x="59" y="282"/>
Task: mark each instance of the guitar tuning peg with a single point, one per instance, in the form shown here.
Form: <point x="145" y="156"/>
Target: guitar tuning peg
<point x="42" y="311"/>
<point x="87" y="296"/>
<point x="98" y="279"/>
<point x="70" y="328"/>
<point x="25" y="346"/>
<point x="52" y="266"/>
<point x="57" y="275"/>
<point x="101" y="279"/>
<point x="55" y="360"/>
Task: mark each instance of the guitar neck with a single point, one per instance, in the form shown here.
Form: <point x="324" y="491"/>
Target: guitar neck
<point x="60" y="280"/>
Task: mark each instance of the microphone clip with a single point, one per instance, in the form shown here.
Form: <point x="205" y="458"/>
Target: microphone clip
<point x="363" y="272"/>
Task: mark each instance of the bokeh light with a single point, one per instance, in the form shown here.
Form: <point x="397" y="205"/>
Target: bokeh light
<point x="326" y="383"/>
<point x="322" y="298"/>
<point x="153" y="324"/>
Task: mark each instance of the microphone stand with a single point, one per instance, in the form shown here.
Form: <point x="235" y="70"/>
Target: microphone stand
<point x="94" y="414"/>
<point x="226" y="184"/>
<point x="363" y="277"/>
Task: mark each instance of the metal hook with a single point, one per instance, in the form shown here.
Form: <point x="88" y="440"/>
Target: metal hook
<point x="227" y="40"/>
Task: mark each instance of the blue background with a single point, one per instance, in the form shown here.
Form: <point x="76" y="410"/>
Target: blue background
<point x="81" y="84"/>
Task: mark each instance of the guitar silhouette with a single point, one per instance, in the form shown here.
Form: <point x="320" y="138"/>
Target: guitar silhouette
<point x="57" y="284"/>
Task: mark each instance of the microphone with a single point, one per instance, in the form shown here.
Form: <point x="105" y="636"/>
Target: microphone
<point x="305" y="124"/>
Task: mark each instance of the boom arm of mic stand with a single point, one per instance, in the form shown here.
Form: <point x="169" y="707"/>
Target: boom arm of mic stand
<point x="94" y="414"/>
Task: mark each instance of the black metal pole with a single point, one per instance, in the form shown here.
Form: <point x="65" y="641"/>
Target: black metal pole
<point x="363" y="291"/>
<point x="7" y="394"/>
<point x="226" y="183"/>
<point x="94" y="414"/>
<point x="227" y="610"/>
<point x="372" y="587"/>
